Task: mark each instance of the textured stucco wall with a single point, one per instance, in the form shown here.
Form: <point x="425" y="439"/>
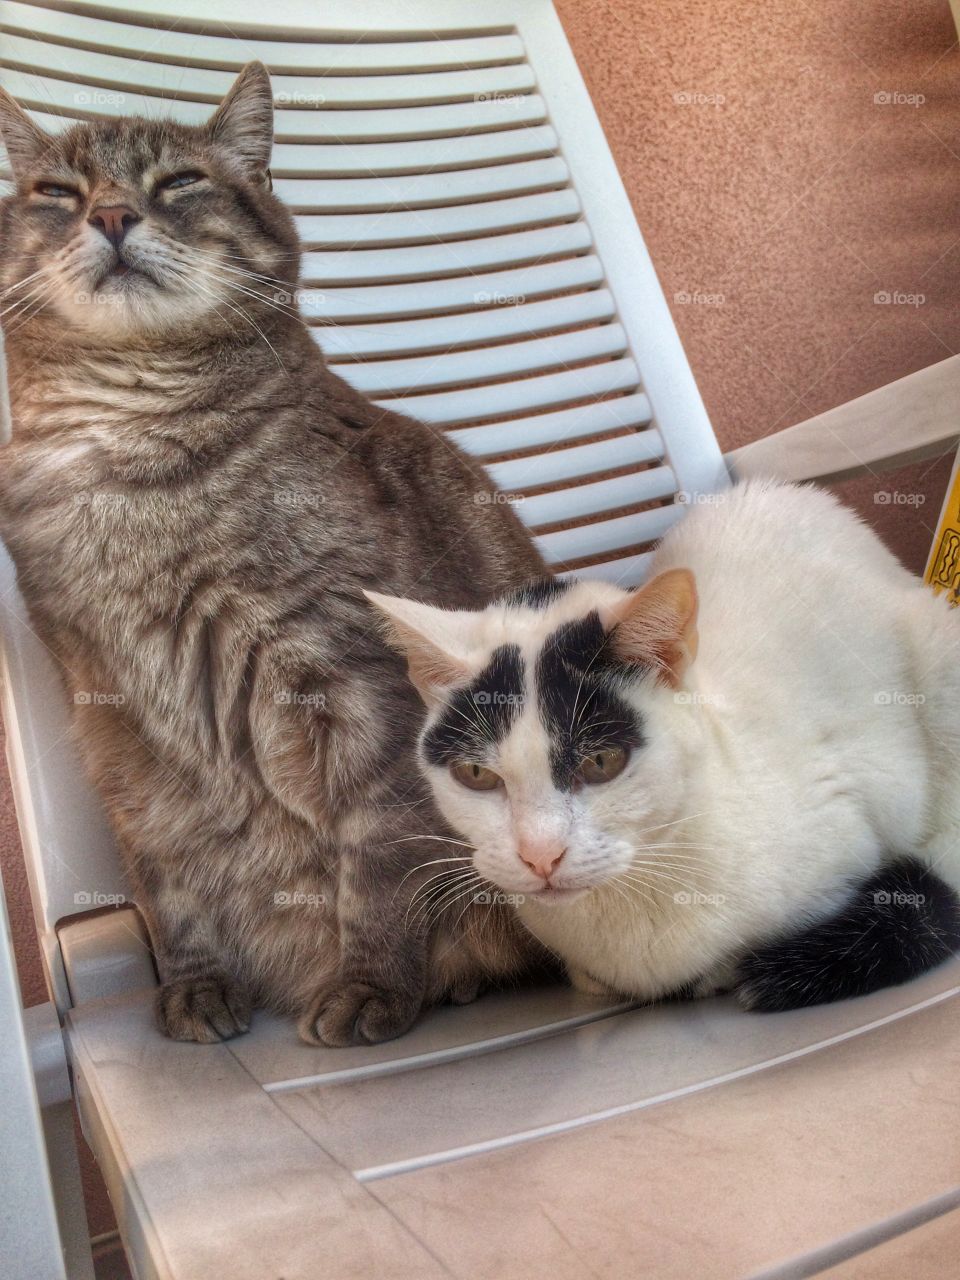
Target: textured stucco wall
<point x="765" y="172"/>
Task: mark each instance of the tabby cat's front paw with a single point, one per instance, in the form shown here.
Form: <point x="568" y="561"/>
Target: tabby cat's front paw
<point x="357" y="1013"/>
<point x="203" y="1009"/>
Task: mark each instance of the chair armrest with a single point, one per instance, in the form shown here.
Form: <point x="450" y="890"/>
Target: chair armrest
<point x="914" y="418"/>
<point x="106" y="954"/>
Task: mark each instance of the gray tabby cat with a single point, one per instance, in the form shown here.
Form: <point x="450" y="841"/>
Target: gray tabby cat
<point x="195" y="503"/>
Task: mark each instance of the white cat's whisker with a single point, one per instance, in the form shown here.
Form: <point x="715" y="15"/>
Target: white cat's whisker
<point x="435" y="907"/>
<point x="433" y="882"/>
<point x="633" y="887"/>
<point x="422" y="865"/>
<point x="426" y="836"/>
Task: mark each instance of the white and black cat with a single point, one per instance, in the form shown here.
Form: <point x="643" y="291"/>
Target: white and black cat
<point x="745" y="774"/>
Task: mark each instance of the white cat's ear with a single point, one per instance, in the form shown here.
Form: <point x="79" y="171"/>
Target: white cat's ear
<point x="25" y="141"/>
<point x="657" y="625"/>
<point x="435" y="642"/>
<point x="243" y="122"/>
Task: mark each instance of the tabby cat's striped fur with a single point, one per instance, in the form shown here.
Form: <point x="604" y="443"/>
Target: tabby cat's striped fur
<point x="194" y="503"/>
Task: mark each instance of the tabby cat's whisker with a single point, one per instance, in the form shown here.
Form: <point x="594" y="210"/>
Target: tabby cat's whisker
<point x="243" y="315"/>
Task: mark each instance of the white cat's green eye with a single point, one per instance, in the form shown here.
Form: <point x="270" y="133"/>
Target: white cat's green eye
<point x="57" y="191"/>
<point x="602" y="766"/>
<point x="475" y="776"/>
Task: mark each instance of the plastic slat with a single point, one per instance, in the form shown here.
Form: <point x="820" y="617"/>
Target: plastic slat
<point x="385" y="125"/>
<point x="306" y="195"/>
<point x="280" y="55"/>
<point x="447" y="333"/>
<point x="454" y="258"/>
<point x="628" y="571"/>
<point x="433" y="297"/>
<point x="347" y="231"/>
<point x="604" y="536"/>
<point x="602" y="495"/>
<point x="581" y="460"/>
<point x="387" y="158"/>
<point x="390" y="377"/>
<point x="566" y="424"/>
<point x="505" y="398"/>
<point x="144" y="87"/>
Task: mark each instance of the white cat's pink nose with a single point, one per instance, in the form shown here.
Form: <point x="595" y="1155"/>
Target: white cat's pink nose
<point x="542" y="858"/>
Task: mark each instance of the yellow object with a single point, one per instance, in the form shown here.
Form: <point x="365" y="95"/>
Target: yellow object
<point x="943" y="567"/>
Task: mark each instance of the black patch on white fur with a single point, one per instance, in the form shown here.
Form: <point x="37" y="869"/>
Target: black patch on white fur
<point x="579" y="685"/>
<point x="901" y="922"/>
<point x="537" y="594"/>
<point x="479" y="716"/>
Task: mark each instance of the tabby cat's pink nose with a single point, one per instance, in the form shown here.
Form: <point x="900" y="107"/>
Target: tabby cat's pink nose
<point x="542" y="858"/>
<point x="114" y="221"/>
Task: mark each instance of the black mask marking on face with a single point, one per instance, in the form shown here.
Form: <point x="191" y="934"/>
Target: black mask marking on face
<point x="480" y="715"/>
<point x="537" y="594"/>
<point x="579" y="685"/>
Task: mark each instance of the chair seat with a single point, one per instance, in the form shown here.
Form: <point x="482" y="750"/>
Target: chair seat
<point x="542" y="1132"/>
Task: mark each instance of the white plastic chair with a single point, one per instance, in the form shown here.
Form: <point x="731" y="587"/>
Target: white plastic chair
<point x="471" y="257"/>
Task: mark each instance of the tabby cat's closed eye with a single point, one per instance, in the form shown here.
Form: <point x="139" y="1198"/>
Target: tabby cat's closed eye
<point x="57" y="190"/>
<point x="174" y="181"/>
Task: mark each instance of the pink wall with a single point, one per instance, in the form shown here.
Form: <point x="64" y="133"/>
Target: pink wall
<point x="764" y="172"/>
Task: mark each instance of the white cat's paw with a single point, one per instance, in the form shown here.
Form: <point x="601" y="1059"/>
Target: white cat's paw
<point x="580" y="980"/>
<point x="714" y="983"/>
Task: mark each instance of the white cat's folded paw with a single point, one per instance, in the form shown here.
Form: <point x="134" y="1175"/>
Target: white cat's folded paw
<point x="580" y="980"/>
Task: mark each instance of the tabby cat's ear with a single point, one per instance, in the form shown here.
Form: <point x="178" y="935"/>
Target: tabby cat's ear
<point x="25" y="141"/>
<point x="434" y="641"/>
<point x="657" y="625"/>
<point x="243" y="122"/>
